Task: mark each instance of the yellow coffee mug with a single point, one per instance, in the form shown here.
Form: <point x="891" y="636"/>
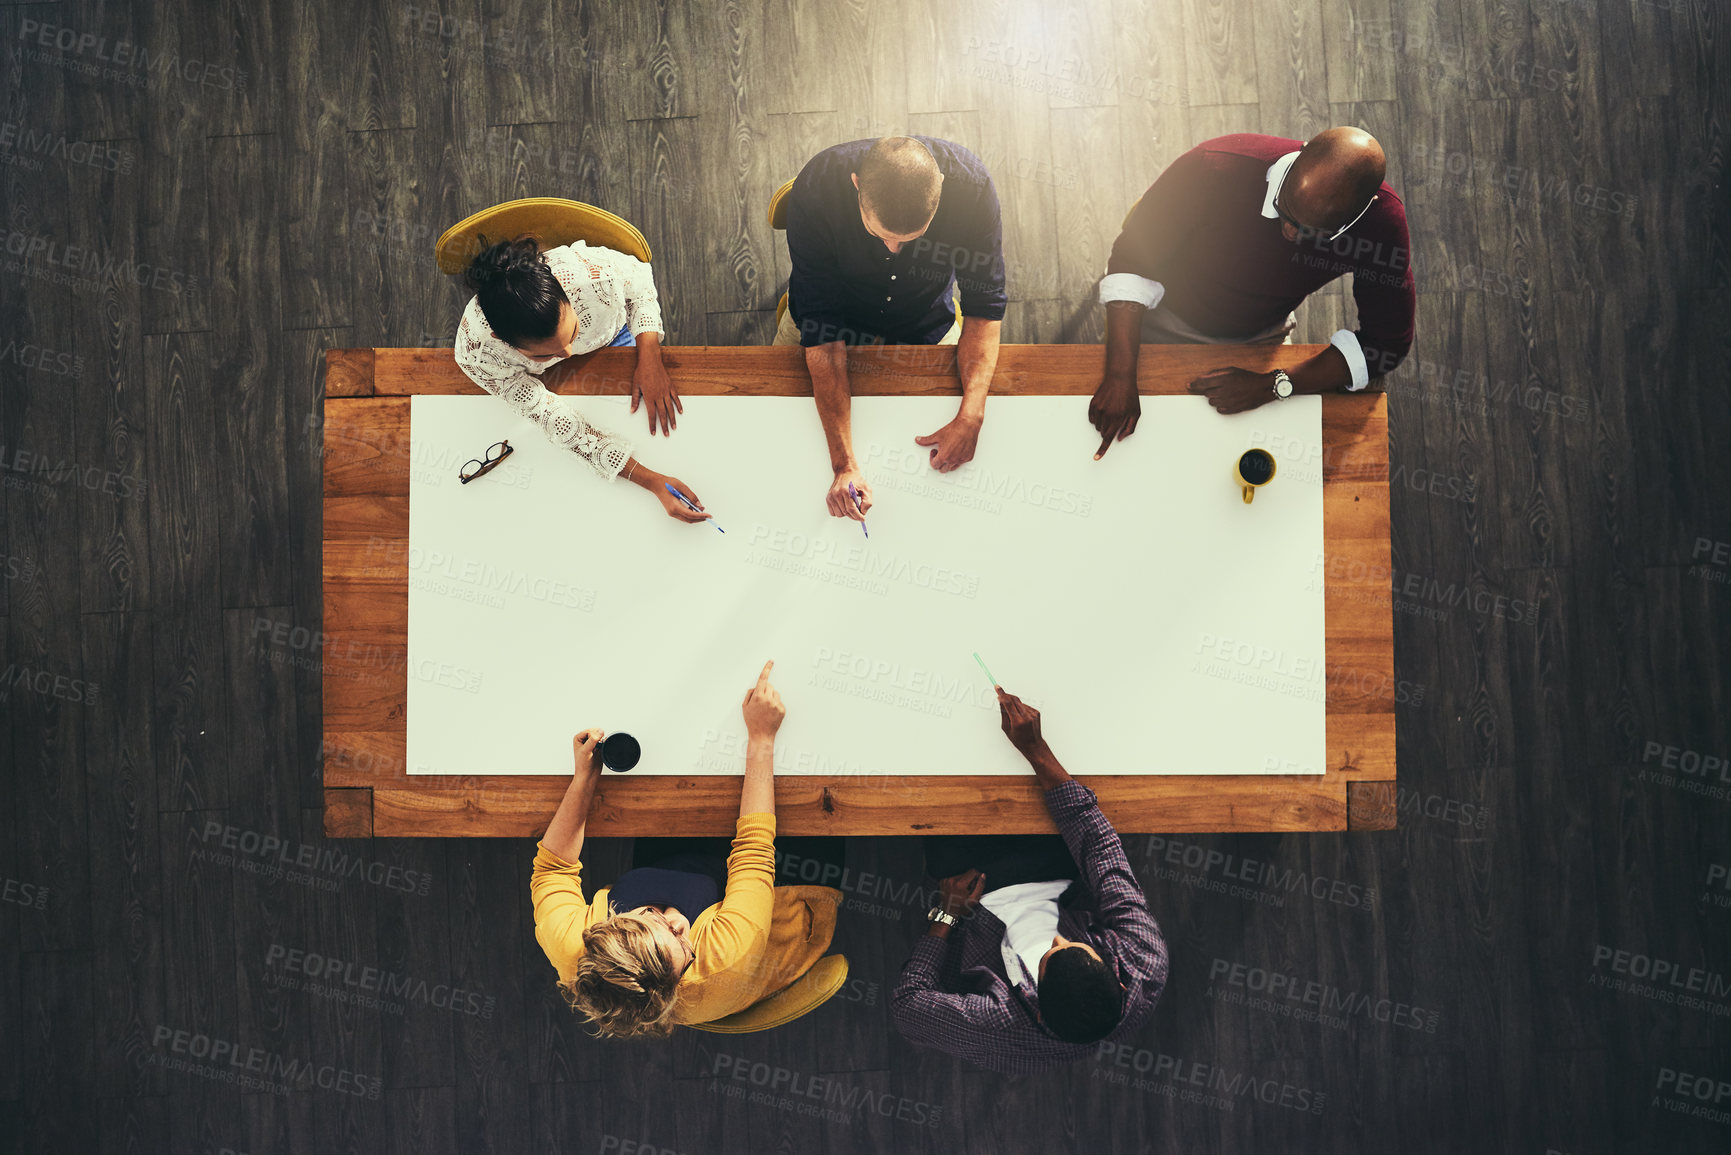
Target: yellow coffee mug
<point x="1254" y="468"/>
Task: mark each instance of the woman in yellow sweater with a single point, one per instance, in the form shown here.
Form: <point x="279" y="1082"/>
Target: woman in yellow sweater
<point x="675" y="955"/>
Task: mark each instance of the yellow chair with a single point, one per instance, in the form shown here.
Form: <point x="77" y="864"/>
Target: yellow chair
<point x="778" y="220"/>
<point x="555" y="220"/>
<point x="807" y="993"/>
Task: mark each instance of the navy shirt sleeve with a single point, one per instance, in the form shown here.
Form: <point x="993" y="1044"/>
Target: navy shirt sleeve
<point x="980" y="274"/>
<point x="814" y="286"/>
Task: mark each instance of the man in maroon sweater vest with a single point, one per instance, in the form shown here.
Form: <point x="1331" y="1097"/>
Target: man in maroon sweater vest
<point x="1224" y="246"/>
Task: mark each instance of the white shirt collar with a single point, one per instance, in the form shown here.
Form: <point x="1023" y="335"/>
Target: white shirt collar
<point x="1276" y="174"/>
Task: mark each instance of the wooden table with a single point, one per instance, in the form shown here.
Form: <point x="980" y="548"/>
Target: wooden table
<point x="366" y="529"/>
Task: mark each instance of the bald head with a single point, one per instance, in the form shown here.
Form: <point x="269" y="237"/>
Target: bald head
<point x="899" y="183"/>
<point x="1334" y="177"/>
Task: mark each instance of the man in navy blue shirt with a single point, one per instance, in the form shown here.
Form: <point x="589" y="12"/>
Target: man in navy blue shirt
<point x="878" y="233"/>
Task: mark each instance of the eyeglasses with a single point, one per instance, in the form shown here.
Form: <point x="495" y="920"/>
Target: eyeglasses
<point x="1305" y="232"/>
<point x="496" y="452"/>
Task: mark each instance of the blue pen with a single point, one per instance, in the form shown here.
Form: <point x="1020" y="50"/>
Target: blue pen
<point x="854" y="493"/>
<point x="686" y="501"/>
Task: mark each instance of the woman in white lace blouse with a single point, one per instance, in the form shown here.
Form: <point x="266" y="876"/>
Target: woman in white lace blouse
<point x="533" y="309"/>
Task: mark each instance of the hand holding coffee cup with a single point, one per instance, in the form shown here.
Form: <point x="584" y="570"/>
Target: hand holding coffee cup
<point x="1253" y="469"/>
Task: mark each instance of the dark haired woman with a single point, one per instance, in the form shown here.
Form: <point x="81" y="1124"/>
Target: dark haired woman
<point x="532" y="309"/>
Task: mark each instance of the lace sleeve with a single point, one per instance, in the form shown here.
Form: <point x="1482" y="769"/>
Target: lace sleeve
<point x="605" y="452"/>
<point x="637" y="284"/>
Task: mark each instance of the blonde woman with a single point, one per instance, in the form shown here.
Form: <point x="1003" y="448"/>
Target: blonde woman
<point x="684" y="941"/>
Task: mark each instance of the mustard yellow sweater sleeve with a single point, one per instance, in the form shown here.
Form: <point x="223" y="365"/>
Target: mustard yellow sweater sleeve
<point x="735" y="935"/>
<point x="561" y="912"/>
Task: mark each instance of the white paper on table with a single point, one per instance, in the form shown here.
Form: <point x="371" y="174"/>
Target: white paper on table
<point x="1161" y="625"/>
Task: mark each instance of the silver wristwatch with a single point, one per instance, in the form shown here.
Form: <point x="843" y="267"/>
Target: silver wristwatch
<point x="938" y="914"/>
<point x="1282" y="384"/>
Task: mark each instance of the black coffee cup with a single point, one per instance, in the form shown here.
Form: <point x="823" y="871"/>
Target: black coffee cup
<point x="620" y="752"/>
<point x="1254" y="467"/>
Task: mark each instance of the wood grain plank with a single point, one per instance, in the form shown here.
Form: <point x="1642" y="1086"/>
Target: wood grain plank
<point x="47" y="690"/>
<point x="348" y="812"/>
<point x="666" y="162"/>
<point x="1295" y="75"/>
<point x="111" y="413"/>
<point x="1370" y="806"/>
<point x="891" y="370"/>
<point x="957" y="806"/>
<point x="252" y="418"/>
<point x="131" y="957"/>
<point x="1220" y="52"/>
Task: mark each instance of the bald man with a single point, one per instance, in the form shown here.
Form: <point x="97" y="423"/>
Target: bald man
<point x="1223" y="247"/>
<point x="883" y="236"/>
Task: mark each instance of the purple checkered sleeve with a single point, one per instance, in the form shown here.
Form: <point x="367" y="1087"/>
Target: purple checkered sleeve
<point x="953" y="996"/>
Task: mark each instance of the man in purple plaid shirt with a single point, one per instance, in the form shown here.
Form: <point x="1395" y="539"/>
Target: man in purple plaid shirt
<point x="1059" y="954"/>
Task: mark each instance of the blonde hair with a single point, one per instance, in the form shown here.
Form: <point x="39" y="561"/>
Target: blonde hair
<point x="625" y="984"/>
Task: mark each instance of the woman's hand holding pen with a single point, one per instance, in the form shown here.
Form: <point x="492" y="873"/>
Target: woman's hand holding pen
<point x="638" y="473"/>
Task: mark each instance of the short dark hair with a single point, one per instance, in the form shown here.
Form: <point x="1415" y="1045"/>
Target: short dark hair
<point x="519" y="295"/>
<point x="1080" y="999"/>
<point x="900" y="182"/>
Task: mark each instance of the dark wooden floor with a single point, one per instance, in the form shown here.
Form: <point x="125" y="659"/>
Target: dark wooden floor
<point x="200" y="197"/>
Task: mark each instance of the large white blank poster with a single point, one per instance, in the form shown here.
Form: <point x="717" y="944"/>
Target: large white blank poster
<point x="1160" y="624"/>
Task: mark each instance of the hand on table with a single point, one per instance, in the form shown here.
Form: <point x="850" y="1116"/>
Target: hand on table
<point x="586" y="752"/>
<point x="959" y="895"/>
<point x="953" y="445"/>
<point x="1114" y="411"/>
<point x="1235" y="390"/>
<point x="841" y="503"/>
<point x="674" y="507"/>
<point x="762" y="707"/>
<point x="652" y="387"/>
